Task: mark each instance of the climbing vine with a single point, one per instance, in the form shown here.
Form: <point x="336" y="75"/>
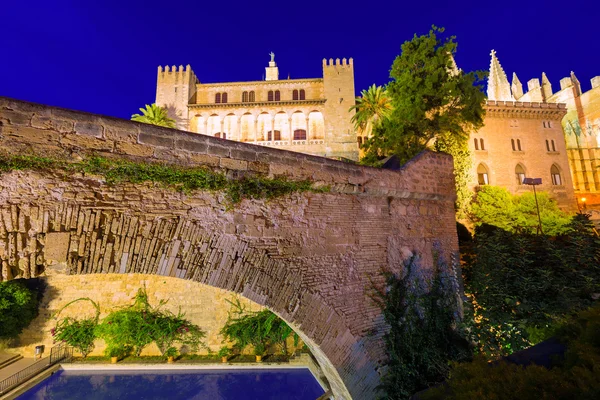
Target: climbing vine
<point x="185" y="179"/>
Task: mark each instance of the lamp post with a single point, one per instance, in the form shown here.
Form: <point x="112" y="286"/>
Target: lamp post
<point x="534" y="182"/>
<point x="583" y="199"/>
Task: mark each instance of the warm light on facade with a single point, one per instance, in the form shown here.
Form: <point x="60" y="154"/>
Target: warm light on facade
<point x="583" y="199"/>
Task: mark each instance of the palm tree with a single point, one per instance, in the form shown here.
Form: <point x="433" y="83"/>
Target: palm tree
<point x="154" y="115"/>
<point x="374" y="105"/>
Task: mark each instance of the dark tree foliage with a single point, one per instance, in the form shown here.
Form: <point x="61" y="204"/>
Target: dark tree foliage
<point x="523" y="285"/>
<point x="423" y="338"/>
<point x="431" y="100"/>
<point x="18" y="307"/>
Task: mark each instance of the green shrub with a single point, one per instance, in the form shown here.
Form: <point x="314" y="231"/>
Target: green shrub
<point x="575" y="377"/>
<point x="79" y="333"/>
<point x="259" y="329"/>
<point x="422" y="340"/>
<point x="523" y="285"/>
<point x="496" y="206"/>
<point x="18" y="307"/>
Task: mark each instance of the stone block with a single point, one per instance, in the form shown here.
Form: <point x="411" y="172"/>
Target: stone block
<point x="259" y="167"/>
<point x="193" y="146"/>
<point x="15" y="117"/>
<point x="133" y="149"/>
<point x="205" y="159"/>
<point x="234" y="164"/>
<point x="46" y="122"/>
<point x="154" y="140"/>
<point x="247" y="155"/>
<point x="57" y="246"/>
<point x="31" y="135"/>
<point x="86" y="142"/>
<point x="89" y="129"/>
<point x="219" y="151"/>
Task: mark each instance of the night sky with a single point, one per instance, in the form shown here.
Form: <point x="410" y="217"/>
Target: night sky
<point x="102" y="56"/>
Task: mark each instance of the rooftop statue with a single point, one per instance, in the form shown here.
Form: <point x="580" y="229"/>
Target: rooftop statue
<point x="272" y="56"/>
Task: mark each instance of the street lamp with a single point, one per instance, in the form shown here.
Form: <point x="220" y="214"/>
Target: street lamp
<point x="583" y="201"/>
<point x="534" y="182"/>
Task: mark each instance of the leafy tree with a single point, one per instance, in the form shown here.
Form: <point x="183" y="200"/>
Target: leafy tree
<point x="496" y="206"/>
<point x="18" y="307"/>
<point x="374" y="105"/>
<point x="154" y="115"/>
<point x="430" y="98"/>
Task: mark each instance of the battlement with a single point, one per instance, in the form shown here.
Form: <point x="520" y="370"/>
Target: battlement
<point x="343" y="63"/>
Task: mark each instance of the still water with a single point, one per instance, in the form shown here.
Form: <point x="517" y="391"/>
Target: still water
<point x="296" y="384"/>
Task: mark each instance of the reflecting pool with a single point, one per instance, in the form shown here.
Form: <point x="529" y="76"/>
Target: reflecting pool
<point x="297" y="384"/>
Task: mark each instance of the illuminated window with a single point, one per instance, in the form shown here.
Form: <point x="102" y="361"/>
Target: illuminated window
<point x="300" y="134"/>
<point x="270" y="96"/>
<point x="519" y="144"/>
<point x="476" y="144"/>
<point x="555" y="174"/>
<point x="482" y="175"/>
<point x="277" y="95"/>
<point x="520" y="174"/>
<point x="481" y="144"/>
<point x="302" y="94"/>
<point x="224" y="98"/>
<point x="244" y="97"/>
<point x="251" y="97"/>
<point x="218" y="98"/>
<point x="277" y="135"/>
<point x="295" y="94"/>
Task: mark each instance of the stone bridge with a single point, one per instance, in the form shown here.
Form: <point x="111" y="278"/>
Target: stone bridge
<point x="312" y="258"/>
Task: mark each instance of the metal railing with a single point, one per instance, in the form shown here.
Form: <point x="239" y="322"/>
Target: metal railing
<point x="58" y="353"/>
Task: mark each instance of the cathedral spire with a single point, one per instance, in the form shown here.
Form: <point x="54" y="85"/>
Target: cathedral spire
<point x="516" y="87"/>
<point x="498" y="87"/>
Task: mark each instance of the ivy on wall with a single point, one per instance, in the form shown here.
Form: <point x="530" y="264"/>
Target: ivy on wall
<point x="185" y="179"/>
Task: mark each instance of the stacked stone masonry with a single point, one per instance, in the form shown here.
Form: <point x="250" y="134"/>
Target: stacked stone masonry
<point x="312" y="258"/>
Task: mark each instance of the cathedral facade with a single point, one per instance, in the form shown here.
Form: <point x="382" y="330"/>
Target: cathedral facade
<point x="522" y="137"/>
<point x="304" y="115"/>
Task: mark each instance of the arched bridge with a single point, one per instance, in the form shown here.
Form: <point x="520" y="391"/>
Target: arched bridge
<point x="310" y="257"/>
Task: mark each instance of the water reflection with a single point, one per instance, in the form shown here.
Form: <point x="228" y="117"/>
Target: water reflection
<point x="148" y="385"/>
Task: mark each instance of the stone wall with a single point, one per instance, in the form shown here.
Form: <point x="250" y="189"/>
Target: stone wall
<point x="203" y="305"/>
<point x="312" y="258"/>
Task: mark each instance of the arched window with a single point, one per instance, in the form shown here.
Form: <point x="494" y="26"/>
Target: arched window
<point x="555" y="174"/>
<point x="277" y="135"/>
<point x="520" y="174"/>
<point x="547" y="146"/>
<point x="251" y="97"/>
<point x="482" y="175"/>
<point x="481" y="144"/>
<point x="277" y="95"/>
<point x="302" y="94"/>
<point x="222" y="135"/>
<point x="224" y="98"/>
<point x="476" y="143"/>
<point x="519" y="144"/>
<point x="295" y="94"/>
<point x="553" y="148"/>
<point x="270" y="96"/>
<point x="544" y="122"/>
<point x="512" y="142"/>
<point x="218" y="98"/>
<point x="244" y="97"/>
<point x="300" y="134"/>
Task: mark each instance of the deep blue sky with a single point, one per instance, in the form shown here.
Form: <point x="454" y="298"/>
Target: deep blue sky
<point x="102" y="56"/>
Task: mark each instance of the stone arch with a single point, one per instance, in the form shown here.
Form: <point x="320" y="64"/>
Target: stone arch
<point x="299" y="127"/>
<point x="483" y="174"/>
<point x="230" y="126"/>
<point x="281" y="126"/>
<point x="520" y="173"/>
<point x="213" y="125"/>
<point x="264" y="123"/>
<point x="555" y="175"/>
<point x="316" y="125"/>
<point x="198" y="124"/>
<point x="247" y="131"/>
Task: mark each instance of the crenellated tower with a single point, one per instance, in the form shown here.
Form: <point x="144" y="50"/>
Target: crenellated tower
<point x="338" y="89"/>
<point x="174" y="90"/>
